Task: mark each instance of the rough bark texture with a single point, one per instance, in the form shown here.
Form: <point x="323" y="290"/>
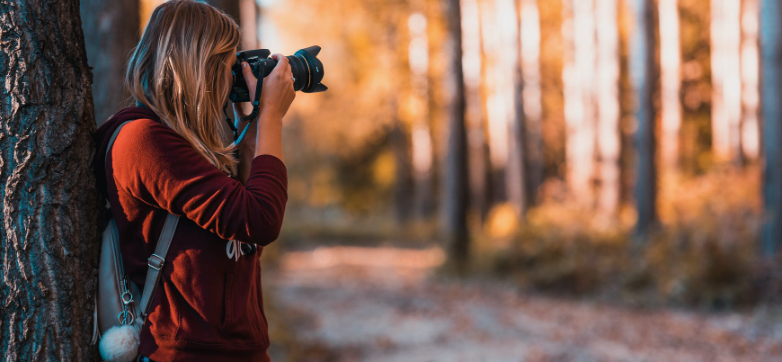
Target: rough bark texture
<point x="455" y="180"/>
<point x="642" y="73"/>
<point x="771" y="91"/>
<point x="111" y="30"/>
<point x="50" y="211"/>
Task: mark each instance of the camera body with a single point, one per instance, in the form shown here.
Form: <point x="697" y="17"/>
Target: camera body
<point x="306" y="68"/>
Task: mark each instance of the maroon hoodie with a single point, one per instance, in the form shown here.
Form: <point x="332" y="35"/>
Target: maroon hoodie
<point x="207" y="307"/>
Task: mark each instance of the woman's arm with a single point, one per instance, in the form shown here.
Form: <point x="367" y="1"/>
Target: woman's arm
<point x="276" y="97"/>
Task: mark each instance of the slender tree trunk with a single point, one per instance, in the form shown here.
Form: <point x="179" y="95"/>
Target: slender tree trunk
<point x="515" y="177"/>
<point x="248" y="20"/>
<point x="578" y="79"/>
<point x="643" y="78"/>
<point x="472" y="63"/>
<point x="670" y="60"/>
<point x="531" y="97"/>
<point x="750" y="96"/>
<point x="421" y="135"/>
<point x="111" y="30"/>
<point x="455" y="180"/>
<point x="230" y="7"/>
<point x="771" y="93"/>
<point x="49" y="209"/>
<point x="608" y="136"/>
<point x="726" y="80"/>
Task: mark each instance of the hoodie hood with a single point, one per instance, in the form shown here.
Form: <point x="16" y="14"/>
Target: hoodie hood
<point x="103" y="134"/>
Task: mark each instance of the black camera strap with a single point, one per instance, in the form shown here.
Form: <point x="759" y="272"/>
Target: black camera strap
<point x="251" y="117"/>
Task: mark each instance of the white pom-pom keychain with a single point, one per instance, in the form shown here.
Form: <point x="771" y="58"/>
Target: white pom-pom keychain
<point x="120" y="343"/>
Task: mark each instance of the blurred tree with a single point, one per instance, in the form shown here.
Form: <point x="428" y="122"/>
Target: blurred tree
<point x="455" y="179"/>
<point x="670" y="59"/>
<point x="726" y="80"/>
<point x="515" y="172"/>
<point x="248" y="20"/>
<point x="750" y="97"/>
<point x="578" y="79"/>
<point x="608" y="135"/>
<point x="111" y="30"/>
<point x="50" y="213"/>
<point x="230" y="7"/>
<point x="474" y="114"/>
<point x="531" y="97"/>
<point x="643" y="78"/>
<point x="771" y="92"/>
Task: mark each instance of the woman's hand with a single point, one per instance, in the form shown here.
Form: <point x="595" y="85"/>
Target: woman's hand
<point x="277" y="93"/>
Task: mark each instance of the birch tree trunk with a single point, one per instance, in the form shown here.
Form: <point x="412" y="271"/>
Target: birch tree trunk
<point x="49" y="209"/>
<point x="771" y="92"/>
<point x="111" y="30"/>
<point x="421" y="135"/>
<point x="642" y="76"/>
<point x="455" y="178"/>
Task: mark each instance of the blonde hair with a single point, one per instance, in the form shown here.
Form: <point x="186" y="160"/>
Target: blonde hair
<point x="178" y="69"/>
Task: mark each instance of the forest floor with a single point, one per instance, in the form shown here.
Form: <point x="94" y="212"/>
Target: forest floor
<point x="387" y="304"/>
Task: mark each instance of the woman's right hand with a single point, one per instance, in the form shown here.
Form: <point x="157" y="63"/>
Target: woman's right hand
<point x="277" y="93"/>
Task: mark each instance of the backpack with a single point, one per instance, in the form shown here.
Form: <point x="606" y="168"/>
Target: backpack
<point x="120" y="306"/>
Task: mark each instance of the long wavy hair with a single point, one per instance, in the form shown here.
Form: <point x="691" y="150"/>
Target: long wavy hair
<point x="179" y="69"/>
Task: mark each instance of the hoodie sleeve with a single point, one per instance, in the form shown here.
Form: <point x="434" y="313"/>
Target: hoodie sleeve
<point x="156" y="165"/>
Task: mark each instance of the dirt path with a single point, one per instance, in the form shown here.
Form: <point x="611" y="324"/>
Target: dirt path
<point x="381" y="304"/>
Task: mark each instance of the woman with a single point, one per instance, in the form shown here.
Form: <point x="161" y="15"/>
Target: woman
<point x="175" y="157"/>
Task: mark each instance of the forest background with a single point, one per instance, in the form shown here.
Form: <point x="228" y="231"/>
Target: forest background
<point x="618" y="151"/>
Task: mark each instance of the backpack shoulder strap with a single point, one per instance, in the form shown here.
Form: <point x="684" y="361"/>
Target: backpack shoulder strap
<point x="155" y="263"/>
<point x="157" y="259"/>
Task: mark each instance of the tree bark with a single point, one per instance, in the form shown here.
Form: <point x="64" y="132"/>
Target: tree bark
<point x="455" y="180"/>
<point x="726" y="80"/>
<point x="50" y="212"/>
<point x="771" y="91"/>
<point x="111" y="30"/>
<point x="642" y="73"/>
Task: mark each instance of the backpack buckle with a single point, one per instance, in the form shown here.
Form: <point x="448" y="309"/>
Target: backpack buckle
<point x="157" y="263"/>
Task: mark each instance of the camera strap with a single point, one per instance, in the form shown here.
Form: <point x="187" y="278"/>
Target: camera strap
<point x="256" y="107"/>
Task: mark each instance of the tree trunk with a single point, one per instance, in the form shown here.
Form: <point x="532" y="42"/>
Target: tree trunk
<point x="111" y="30"/>
<point x="230" y="7"/>
<point x="670" y="59"/>
<point x="608" y="136"/>
<point x="248" y="20"/>
<point x="577" y="77"/>
<point x="531" y="98"/>
<point x="515" y="177"/>
<point x="750" y="97"/>
<point x="771" y="92"/>
<point x="50" y="212"/>
<point x="455" y="180"/>
<point x="473" y="65"/>
<point x="726" y="80"/>
<point x="642" y="76"/>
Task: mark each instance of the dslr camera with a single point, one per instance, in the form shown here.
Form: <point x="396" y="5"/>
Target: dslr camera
<point x="306" y="68"/>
